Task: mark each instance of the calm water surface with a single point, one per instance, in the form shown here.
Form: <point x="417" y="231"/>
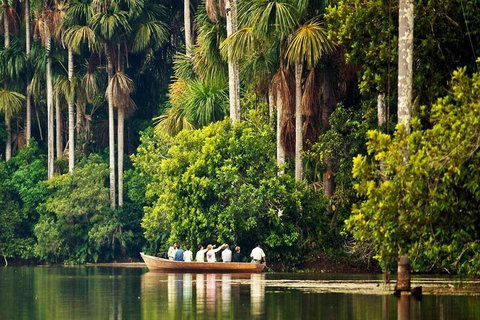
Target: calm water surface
<point x="135" y="293"/>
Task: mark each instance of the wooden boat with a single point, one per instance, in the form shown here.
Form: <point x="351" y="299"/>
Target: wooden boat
<point x="159" y="264"/>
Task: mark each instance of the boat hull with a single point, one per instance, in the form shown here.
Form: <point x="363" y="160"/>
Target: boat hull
<point x="164" y="265"/>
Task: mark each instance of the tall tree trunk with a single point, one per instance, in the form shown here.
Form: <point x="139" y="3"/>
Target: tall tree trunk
<point x="381" y="110"/>
<point x="120" y="136"/>
<point x="120" y="145"/>
<point x="28" y="127"/>
<point x="280" y="149"/>
<point x="298" y="122"/>
<point x="188" y="28"/>
<point x="58" y="127"/>
<point x="50" y="117"/>
<point x="405" y="61"/>
<point x="71" y="114"/>
<point x="233" y="78"/>
<point x="405" y="75"/>
<point x="271" y="102"/>
<point x="8" y="121"/>
<point x="111" y="131"/>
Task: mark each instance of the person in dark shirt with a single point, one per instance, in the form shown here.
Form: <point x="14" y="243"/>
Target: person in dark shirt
<point x="179" y="253"/>
<point x="237" y="256"/>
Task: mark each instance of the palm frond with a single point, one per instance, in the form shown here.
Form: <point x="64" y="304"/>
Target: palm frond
<point x="238" y="45"/>
<point x="11" y="101"/>
<point x="183" y="66"/>
<point x="120" y="87"/>
<point x="309" y="43"/>
<point x="172" y="121"/>
<point x="151" y="34"/>
<point x="269" y="18"/>
<point x="206" y="102"/>
<point x="9" y="12"/>
<point x="110" y="25"/>
<point x="76" y="36"/>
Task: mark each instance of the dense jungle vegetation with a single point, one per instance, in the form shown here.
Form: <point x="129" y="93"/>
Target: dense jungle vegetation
<point x="130" y="124"/>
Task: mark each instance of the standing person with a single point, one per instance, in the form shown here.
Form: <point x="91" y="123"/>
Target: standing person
<point x="179" y="253"/>
<point x="171" y="251"/>
<point x="211" y="253"/>
<point x="257" y="255"/>
<point x="200" y="257"/>
<point x="237" y="256"/>
<point x="188" y="255"/>
<point x="227" y="254"/>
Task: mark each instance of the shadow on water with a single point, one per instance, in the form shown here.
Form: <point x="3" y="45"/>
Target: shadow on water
<point x="134" y="293"/>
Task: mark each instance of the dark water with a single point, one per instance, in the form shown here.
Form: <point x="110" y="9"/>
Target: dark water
<point x="135" y="293"/>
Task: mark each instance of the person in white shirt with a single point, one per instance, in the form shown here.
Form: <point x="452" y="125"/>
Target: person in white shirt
<point x="171" y="251"/>
<point x="200" y="257"/>
<point x="227" y="254"/>
<point x="188" y="255"/>
<point x="257" y="255"/>
<point x="211" y="253"/>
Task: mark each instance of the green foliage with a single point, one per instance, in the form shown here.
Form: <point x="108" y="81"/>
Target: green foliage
<point x="76" y="223"/>
<point x="444" y="33"/>
<point x="220" y="184"/>
<point x="420" y="191"/>
<point x="20" y="192"/>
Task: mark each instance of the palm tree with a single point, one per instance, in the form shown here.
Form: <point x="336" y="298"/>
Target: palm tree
<point x="45" y="23"/>
<point x="7" y="18"/>
<point x="76" y="32"/>
<point x="267" y="24"/>
<point x="230" y="11"/>
<point x="28" y="125"/>
<point x="108" y="23"/>
<point x="148" y="34"/>
<point x="309" y="44"/>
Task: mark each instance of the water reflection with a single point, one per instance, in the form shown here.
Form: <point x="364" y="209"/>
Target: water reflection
<point x="257" y="294"/>
<point x="403" y="307"/>
<point x="118" y="293"/>
<point x="226" y="292"/>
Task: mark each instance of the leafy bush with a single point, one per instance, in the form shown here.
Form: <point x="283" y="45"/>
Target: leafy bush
<point x="420" y="191"/>
<point x="220" y="184"/>
<point x="76" y="222"/>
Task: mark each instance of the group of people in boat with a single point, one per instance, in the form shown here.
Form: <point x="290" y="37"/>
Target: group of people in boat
<point x="176" y="253"/>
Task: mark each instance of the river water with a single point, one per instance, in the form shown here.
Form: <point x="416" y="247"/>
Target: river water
<point x="135" y="293"/>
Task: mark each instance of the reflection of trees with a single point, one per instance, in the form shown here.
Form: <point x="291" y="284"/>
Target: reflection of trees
<point x="257" y="294"/>
<point x="226" y="292"/>
<point x="200" y="286"/>
<point x="187" y="292"/>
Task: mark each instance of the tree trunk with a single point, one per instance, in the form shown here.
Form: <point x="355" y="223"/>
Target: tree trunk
<point x="280" y="149"/>
<point x="271" y="102"/>
<point x="50" y="117"/>
<point x="298" y="122"/>
<point x="188" y="28"/>
<point x="120" y="144"/>
<point x="233" y="78"/>
<point x="8" y="121"/>
<point x="111" y="132"/>
<point x="71" y="115"/>
<point x="28" y="127"/>
<point x="403" y="273"/>
<point x="405" y="74"/>
<point x="381" y="110"/>
<point x="405" y="61"/>
<point x="58" y="127"/>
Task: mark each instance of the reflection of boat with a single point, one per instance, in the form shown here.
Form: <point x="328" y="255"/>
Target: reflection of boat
<point x="159" y="264"/>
